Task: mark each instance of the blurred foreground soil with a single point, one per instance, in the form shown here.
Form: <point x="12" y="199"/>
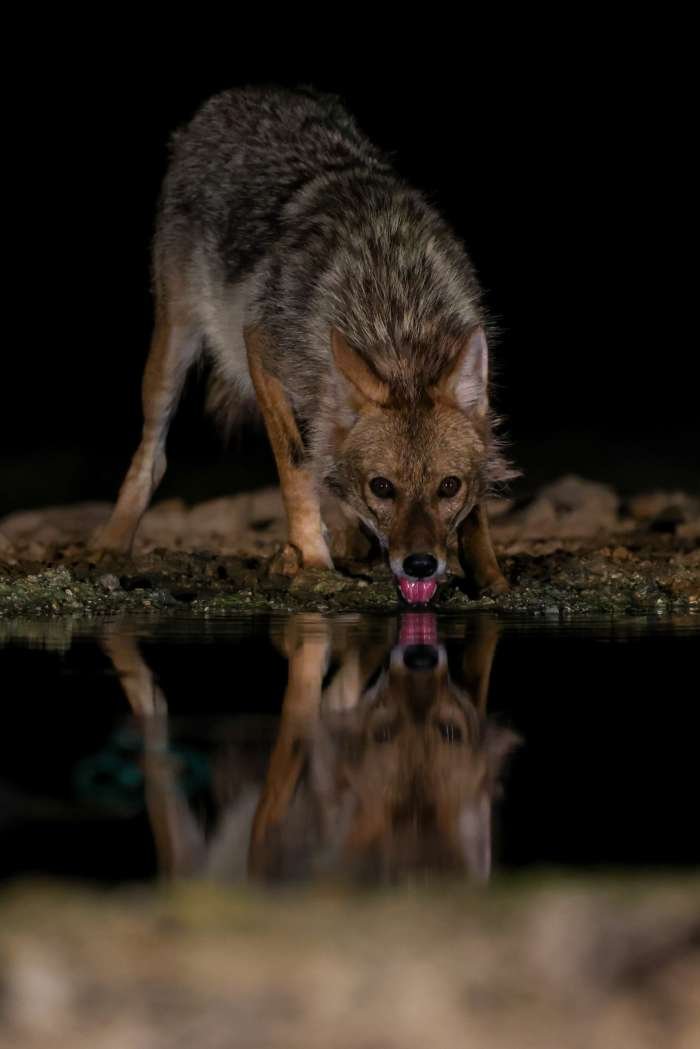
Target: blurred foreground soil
<point x="553" y="965"/>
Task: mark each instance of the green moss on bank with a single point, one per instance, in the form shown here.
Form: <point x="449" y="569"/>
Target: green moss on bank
<point x="563" y="582"/>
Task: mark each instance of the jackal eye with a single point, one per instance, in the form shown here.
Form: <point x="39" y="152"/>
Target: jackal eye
<point x="385" y="733"/>
<point x="449" y="487"/>
<point x="382" y="488"/>
<point x="450" y="732"/>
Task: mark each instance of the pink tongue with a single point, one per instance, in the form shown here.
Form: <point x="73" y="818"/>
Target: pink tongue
<point x="417" y="591"/>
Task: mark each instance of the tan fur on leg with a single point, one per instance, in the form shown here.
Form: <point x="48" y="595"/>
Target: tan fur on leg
<point x="178" y="837"/>
<point x="173" y="349"/>
<point x="301" y="500"/>
<point x="476" y="554"/>
<point x="300" y="712"/>
<point x="477" y="660"/>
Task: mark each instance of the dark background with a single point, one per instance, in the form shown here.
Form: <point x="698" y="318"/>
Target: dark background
<point x="563" y="166"/>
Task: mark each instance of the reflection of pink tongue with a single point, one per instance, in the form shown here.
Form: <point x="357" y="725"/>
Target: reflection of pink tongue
<point x="417" y="591"/>
<point x="418" y="628"/>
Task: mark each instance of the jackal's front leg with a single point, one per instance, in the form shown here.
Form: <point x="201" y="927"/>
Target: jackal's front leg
<point x="307" y="546"/>
<point x="308" y="654"/>
<point x="476" y="553"/>
<point x="477" y="661"/>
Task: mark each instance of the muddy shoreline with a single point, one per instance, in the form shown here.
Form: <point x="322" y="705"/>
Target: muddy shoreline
<point x="574" y="548"/>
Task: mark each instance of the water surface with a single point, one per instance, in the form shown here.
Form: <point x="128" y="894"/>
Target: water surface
<point x="305" y="747"/>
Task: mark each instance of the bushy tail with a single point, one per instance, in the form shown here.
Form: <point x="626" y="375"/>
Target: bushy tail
<point x="226" y="404"/>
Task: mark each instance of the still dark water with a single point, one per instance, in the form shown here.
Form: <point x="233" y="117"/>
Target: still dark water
<point x="283" y="749"/>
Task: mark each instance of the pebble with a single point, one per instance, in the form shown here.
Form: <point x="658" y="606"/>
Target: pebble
<point x="109" y="582"/>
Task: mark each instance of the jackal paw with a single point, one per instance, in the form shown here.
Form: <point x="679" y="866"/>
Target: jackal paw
<point x="287" y="561"/>
<point x="99" y="553"/>
<point x="494" y="586"/>
<point x="107" y="542"/>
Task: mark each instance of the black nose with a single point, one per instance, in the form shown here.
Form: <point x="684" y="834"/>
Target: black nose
<point x="420" y="565"/>
<point x="420" y="657"/>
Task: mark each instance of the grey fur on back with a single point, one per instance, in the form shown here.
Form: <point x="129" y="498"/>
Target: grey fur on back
<point x="277" y="210"/>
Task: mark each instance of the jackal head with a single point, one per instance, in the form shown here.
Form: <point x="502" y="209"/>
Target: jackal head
<point x="414" y="452"/>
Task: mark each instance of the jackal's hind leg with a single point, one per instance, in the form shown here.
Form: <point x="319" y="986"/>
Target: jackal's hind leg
<point x="177" y="833"/>
<point x="307" y="546"/>
<point x="173" y="349"/>
<point x="476" y="554"/>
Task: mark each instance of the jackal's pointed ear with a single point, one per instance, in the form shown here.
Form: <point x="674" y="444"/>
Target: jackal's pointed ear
<point x="464" y="381"/>
<point x="474" y="837"/>
<point x="474" y="816"/>
<point x="500" y="744"/>
<point x="362" y="385"/>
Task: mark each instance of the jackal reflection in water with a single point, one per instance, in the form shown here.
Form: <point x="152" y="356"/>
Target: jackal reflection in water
<point x="385" y="764"/>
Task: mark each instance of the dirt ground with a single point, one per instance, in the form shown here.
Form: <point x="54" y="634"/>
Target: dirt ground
<point x="555" y="964"/>
<point x="575" y="547"/>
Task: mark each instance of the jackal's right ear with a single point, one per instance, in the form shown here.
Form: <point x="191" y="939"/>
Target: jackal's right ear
<point x="362" y="385"/>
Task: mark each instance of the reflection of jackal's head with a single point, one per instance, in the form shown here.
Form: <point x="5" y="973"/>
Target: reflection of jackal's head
<point x="423" y="767"/>
<point x="402" y="780"/>
<point x="414" y="455"/>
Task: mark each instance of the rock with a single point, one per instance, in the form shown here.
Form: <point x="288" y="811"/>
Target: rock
<point x="651" y="505"/>
<point x="35" y="551"/>
<point x="691" y="530"/>
<point x="54" y="524"/>
<point x="570" y="508"/>
<point x="319" y="581"/>
<point x="109" y="582"/>
<point x="7" y="550"/>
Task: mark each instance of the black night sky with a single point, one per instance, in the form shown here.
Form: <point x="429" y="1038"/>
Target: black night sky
<point x="564" y="174"/>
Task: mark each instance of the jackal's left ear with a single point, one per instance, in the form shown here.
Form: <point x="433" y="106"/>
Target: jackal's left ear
<point x="474" y="837"/>
<point x="363" y="386"/>
<point x="499" y="745"/>
<point x="464" y="380"/>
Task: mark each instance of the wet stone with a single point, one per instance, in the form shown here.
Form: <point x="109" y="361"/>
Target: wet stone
<point x="109" y="582"/>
